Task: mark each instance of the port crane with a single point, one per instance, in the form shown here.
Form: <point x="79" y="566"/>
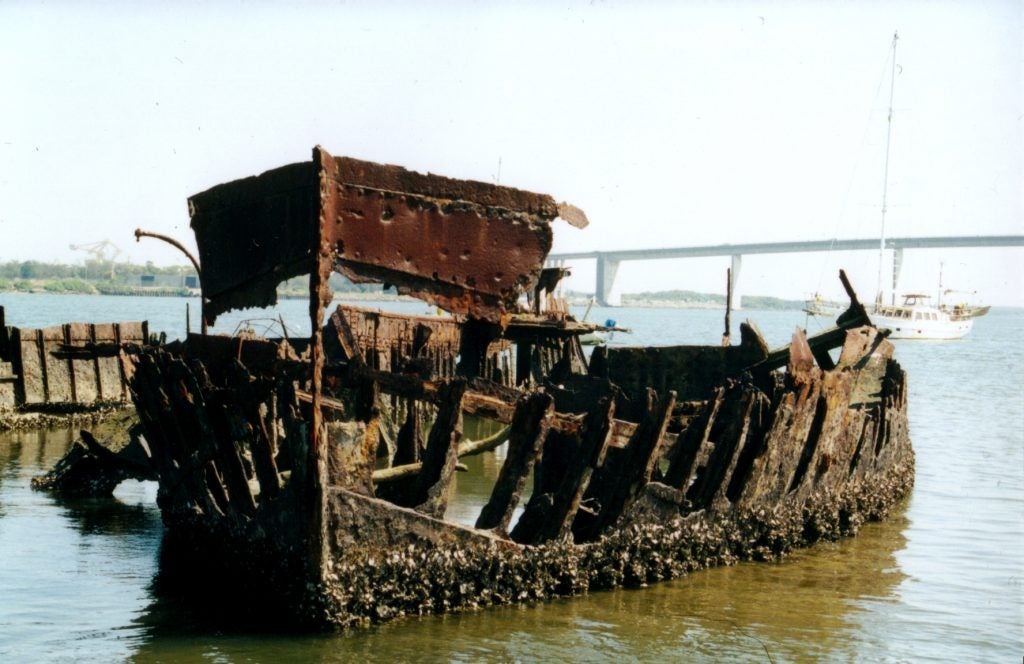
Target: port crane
<point x="103" y="251"/>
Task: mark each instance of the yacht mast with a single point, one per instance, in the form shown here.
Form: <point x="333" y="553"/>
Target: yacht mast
<point x="885" y="179"/>
<point x="941" y="265"/>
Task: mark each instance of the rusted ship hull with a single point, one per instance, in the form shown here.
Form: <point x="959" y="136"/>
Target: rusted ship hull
<point x="751" y="475"/>
<point x="318" y="471"/>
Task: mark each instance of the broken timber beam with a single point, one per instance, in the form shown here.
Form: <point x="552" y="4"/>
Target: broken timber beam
<point x="820" y="344"/>
<point x="429" y="495"/>
<point x="621" y="478"/>
<point x="549" y="516"/>
<point x="498" y="405"/>
<point x="530" y="427"/>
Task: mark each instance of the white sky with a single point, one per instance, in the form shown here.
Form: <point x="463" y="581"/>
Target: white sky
<point x="670" y="124"/>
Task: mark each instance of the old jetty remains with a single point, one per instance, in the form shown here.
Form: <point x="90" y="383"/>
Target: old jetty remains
<point x="63" y="369"/>
<point x="318" y="471"/>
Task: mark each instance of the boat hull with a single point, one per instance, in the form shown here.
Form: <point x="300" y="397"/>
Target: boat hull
<point x="901" y="328"/>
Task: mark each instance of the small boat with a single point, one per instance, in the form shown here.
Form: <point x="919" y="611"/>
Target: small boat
<point x="599" y="335"/>
<point x="603" y="334"/>
<point x="819" y="306"/>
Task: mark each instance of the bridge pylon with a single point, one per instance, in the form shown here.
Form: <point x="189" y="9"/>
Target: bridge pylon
<point x="607" y="269"/>
<point x="734" y="292"/>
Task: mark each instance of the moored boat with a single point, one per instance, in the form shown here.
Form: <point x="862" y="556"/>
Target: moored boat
<point x="914" y="318"/>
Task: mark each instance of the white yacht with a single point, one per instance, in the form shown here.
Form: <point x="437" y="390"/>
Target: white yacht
<point x="916" y="318"/>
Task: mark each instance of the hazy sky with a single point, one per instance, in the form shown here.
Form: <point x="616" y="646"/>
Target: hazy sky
<point x="670" y="124"/>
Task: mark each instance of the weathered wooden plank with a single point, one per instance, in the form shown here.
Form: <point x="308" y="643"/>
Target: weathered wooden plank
<point x="725" y="440"/>
<point x="749" y="444"/>
<point x="164" y="435"/>
<point x="259" y="439"/>
<point x="8" y="385"/>
<point x="4" y="338"/>
<point x="616" y="485"/>
<point x="58" y="374"/>
<point x="530" y="426"/>
<point x="196" y="443"/>
<point x="441" y="454"/>
<point x="773" y="472"/>
<point x="108" y="368"/>
<point x="215" y="487"/>
<point x="83" y="370"/>
<point x="29" y="364"/>
<point x="549" y="515"/>
<point x="696" y="436"/>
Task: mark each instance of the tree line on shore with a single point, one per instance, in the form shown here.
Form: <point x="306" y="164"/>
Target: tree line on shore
<point x="105" y="277"/>
<point x="93" y="276"/>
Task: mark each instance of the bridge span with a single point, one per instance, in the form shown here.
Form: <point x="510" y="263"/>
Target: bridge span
<point x="608" y="261"/>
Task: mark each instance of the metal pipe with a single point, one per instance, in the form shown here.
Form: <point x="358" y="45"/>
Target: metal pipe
<point x="139" y="234"/>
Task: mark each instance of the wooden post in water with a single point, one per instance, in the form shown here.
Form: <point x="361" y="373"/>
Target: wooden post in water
<point x="3" y="336"/>
<point x="728" y="305"/>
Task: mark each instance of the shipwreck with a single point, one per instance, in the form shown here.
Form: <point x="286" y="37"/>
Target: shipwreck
<point x="317" y="470"/>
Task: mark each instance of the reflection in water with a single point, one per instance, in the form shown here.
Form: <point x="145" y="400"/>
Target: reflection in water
<point x="801" y="609"/>
<point x="114" y="518"/>
<point x="73" y="572"/>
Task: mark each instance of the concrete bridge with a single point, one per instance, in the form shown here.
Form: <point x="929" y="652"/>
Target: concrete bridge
<point x="608" y="261"/>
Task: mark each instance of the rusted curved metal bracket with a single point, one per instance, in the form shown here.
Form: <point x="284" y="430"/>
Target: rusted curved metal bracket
<point x="139" y="234"/>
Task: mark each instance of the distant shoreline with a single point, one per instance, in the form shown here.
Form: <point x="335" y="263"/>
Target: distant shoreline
<point x="651" y="302"/>
<point x="575" y="301"/>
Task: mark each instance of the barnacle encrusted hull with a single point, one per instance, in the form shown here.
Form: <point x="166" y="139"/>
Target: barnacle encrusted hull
<point x="752" y="474"/>
<point x="811" y="463"/>
<point x="366" y="586"/>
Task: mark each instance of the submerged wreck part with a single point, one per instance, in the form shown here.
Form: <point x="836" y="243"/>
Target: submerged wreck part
<point x="91" y="469"/>
<point x="269" y="453"/>
<point x="64" y="369"/>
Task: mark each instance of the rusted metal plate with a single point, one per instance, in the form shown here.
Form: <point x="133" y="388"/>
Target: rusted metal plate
<point x="388" y="177"/>
<point x="254" y="233"/>
<point x="469" y="247"/>
<point x="432" y="240"/>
